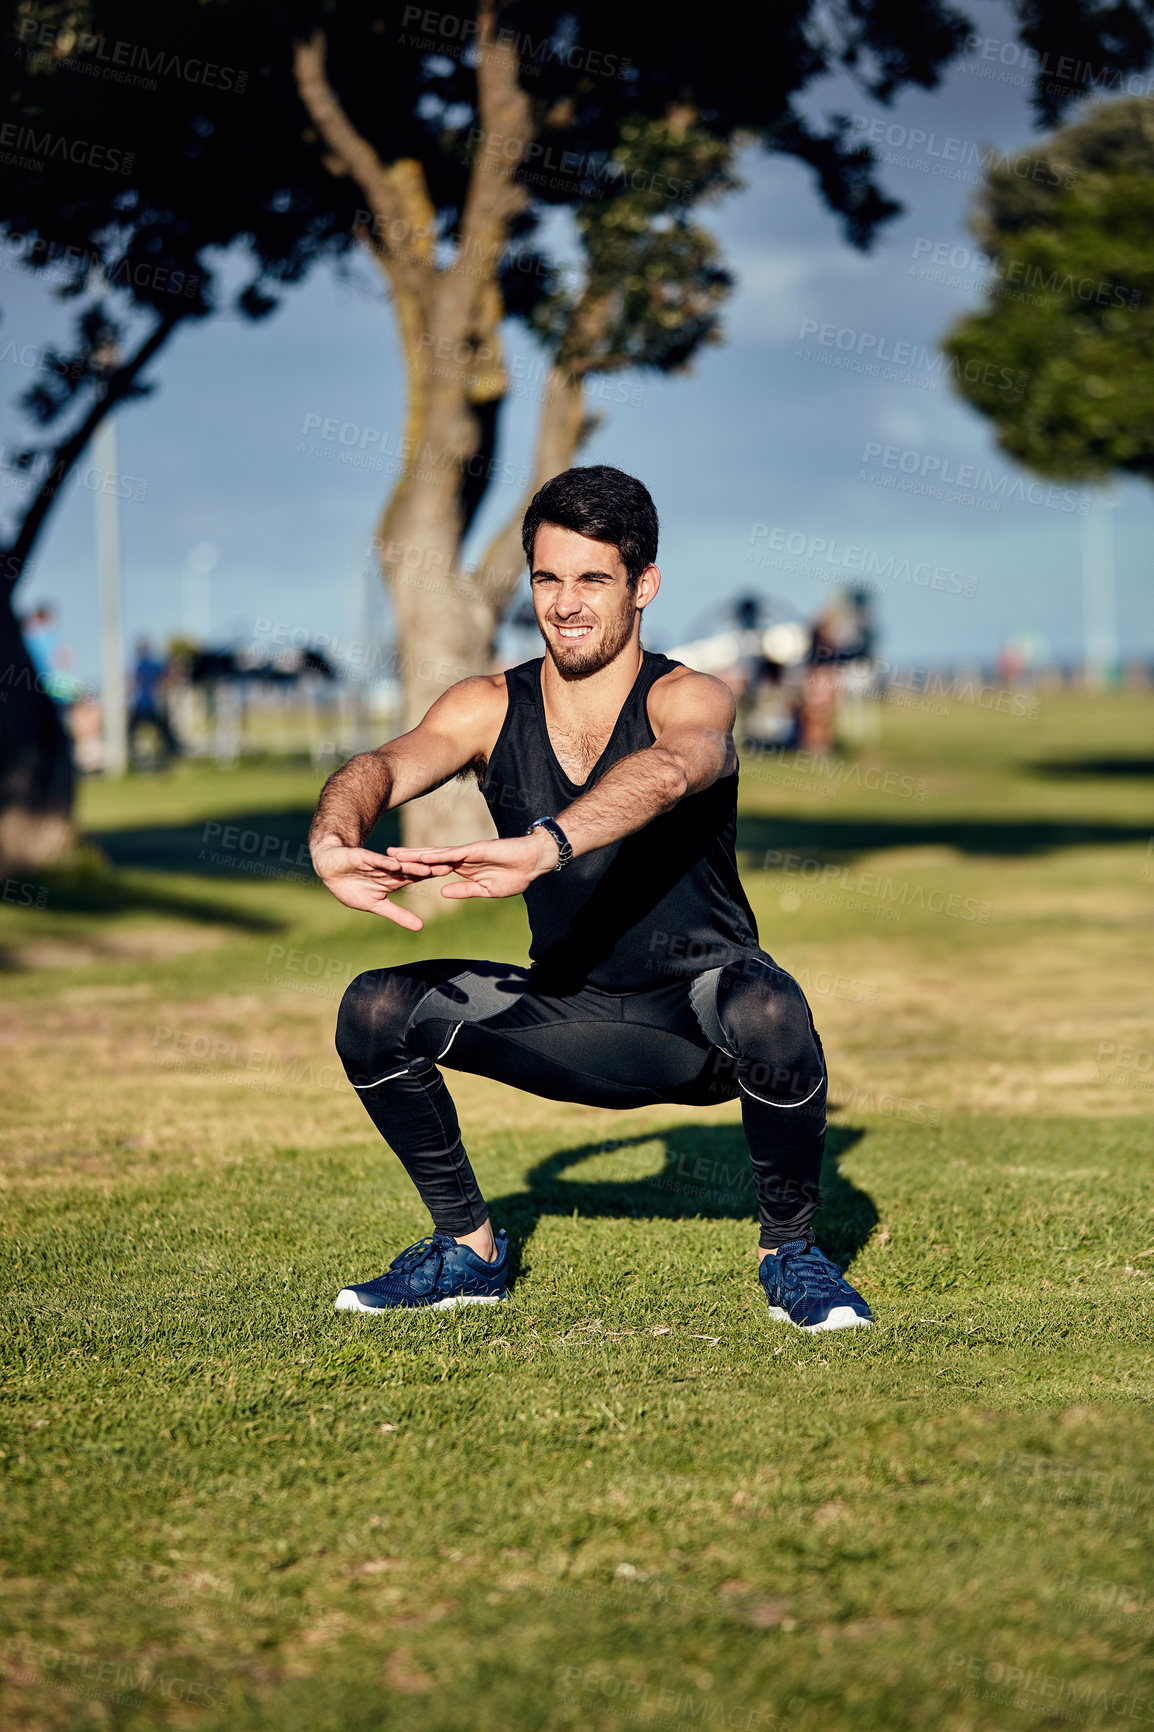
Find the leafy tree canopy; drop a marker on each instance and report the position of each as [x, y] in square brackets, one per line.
[1062, 357]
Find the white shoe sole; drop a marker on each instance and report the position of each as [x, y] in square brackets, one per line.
[841, 1317]
[348, 1301]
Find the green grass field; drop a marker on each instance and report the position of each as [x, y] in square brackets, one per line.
[625, 1498]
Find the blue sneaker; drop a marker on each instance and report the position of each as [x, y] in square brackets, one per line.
[804, 1288]
[435, 1274]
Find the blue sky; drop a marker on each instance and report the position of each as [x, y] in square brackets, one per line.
[781, 440]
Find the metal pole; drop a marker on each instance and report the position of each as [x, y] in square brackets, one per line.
[199, 567]
[361, 671]
[113, 682]
[1099, 611]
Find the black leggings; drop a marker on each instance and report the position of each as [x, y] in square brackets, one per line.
[744, 1029]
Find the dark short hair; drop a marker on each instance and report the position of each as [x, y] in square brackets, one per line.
[603, 503]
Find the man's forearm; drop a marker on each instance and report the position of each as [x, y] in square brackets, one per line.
[352, 800]
[629, 796]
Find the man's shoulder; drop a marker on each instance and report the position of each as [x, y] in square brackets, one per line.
[477, 692]
[681, 690]
[470, 712]
[469, 716]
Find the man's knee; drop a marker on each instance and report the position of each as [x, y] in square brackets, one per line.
[371, 1021]
[764, 1012]
[763, 1005]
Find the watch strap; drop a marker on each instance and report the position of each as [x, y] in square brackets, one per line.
[564, 850]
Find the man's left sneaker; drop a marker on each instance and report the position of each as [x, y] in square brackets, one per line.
[804, 1288]
[435, 1274]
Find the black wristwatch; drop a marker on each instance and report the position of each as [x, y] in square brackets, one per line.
[564, 851]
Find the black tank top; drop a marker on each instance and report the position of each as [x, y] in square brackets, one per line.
[662, 904]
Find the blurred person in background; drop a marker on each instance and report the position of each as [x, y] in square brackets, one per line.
[842, 632]
[149, 703]
[39, 628]
[49, 656]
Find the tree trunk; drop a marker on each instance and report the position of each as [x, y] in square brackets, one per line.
[36, 774]
[448, 320]
[562, 430]
[469, 622]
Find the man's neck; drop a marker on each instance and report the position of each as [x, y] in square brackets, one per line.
[596, 694]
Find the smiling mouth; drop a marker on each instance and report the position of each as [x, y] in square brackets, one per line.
[572, 632]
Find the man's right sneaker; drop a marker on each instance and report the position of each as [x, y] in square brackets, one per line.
[435, 1274]
[804, 1288]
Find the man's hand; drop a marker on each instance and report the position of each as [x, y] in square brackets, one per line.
[364, 880]
[504, 866]
[459, 729]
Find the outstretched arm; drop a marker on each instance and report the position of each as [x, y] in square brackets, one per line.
[458, 728]
[692, 721]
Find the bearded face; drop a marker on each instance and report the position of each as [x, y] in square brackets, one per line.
[586, 608]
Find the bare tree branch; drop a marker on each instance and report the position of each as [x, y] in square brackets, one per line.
[404, 231]
[65, 455]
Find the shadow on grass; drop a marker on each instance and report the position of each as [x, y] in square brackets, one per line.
[274, 845]
[89, 884]
[706, 1174]
[1110, 767]
[265, 844]
[758, 833]
[215, 847]
[242, 848]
